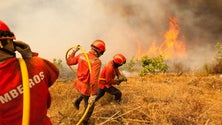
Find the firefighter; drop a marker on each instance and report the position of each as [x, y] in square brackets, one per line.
[42, 74]
[110, 76]
[87, 83]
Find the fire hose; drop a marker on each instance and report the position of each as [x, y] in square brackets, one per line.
[90, 70]
[26, 92]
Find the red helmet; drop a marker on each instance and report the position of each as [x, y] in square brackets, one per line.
[99, 46]
[5, 32]
[119, 59]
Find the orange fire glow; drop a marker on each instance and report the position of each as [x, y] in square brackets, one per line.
[171, 47]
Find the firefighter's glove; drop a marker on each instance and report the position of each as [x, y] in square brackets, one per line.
[123, 77]
[23, 48]
[76, 49]
[119, 80]
[92, 99]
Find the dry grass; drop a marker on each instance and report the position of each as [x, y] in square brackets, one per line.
[162, 99]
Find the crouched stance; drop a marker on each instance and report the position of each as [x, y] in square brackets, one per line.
[107, 78]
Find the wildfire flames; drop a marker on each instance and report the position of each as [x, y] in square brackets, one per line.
[170, 48]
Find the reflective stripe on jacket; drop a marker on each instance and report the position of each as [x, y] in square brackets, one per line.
[107, 75]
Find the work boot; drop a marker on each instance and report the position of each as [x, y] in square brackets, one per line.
[118, 101]
[85, 122]
[76, 103]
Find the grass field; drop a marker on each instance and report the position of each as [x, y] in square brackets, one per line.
[160, 99]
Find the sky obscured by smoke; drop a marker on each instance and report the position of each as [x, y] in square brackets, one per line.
[53, 26]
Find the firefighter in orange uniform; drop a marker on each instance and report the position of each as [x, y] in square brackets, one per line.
[87, 83]
[110, 76]
[42, 74]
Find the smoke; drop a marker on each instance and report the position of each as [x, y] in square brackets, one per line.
[52, 26]
[202, 26]
[199, 21]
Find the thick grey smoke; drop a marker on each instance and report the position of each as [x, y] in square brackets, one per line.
[200, 23]
[52, 26]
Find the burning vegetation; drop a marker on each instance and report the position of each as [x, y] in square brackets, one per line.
[171, 47]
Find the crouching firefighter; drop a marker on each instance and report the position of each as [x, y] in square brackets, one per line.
[110, 76]
[41, 75]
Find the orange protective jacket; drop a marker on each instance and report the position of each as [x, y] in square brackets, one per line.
[107, 75]
[42, 74]
[86, 83]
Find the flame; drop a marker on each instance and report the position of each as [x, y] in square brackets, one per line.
[171, 47]
[152, 51]
[139, 50]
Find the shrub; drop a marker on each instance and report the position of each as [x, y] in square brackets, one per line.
[129, 66]
[64, 72]
[153, 65]
[58, 63]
